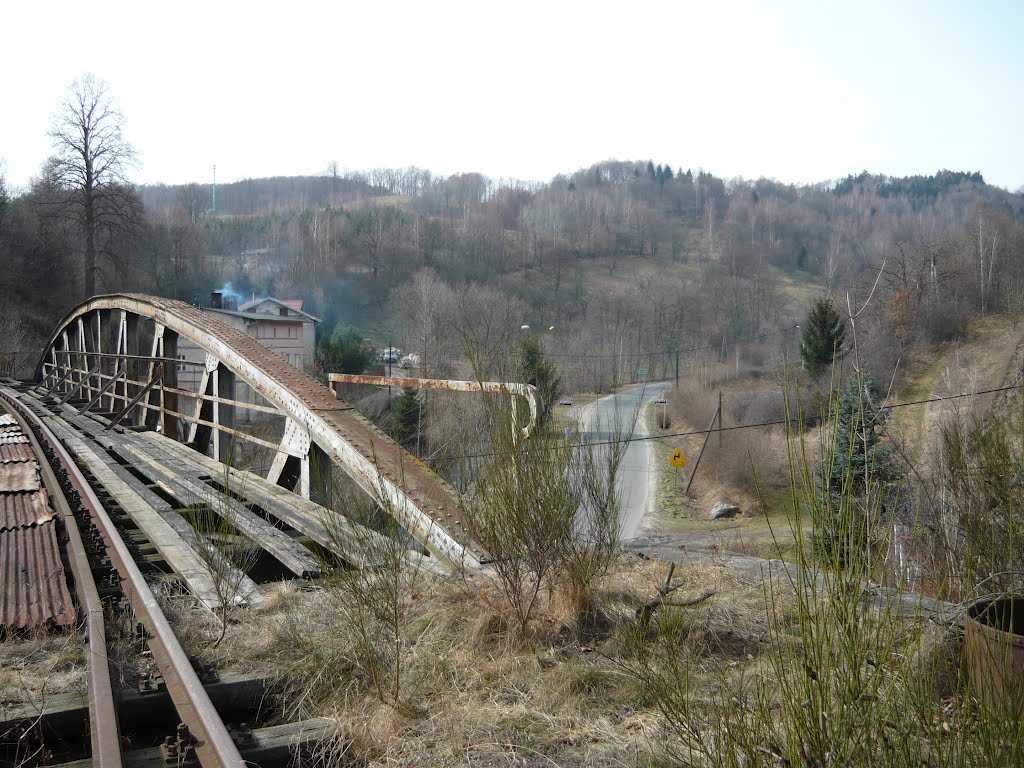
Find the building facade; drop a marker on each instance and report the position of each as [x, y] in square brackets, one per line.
[280, 325]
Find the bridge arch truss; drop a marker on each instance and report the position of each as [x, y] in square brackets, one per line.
[119, 354]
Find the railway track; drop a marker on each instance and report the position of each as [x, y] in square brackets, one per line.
[108, 582]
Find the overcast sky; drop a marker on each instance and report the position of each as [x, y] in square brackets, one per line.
[798, 91]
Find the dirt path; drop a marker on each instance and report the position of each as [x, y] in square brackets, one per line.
[991, 356]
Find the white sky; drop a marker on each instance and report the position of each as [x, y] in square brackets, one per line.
[798, 91]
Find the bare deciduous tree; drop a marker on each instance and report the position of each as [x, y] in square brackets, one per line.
[91, 161]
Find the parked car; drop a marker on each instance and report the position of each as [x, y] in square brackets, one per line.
[565, 401]
[661, 401]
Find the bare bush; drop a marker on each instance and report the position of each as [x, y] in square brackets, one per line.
[693, 404]
[740, 458]
[376, 597]
[18, 346]
[547, 512]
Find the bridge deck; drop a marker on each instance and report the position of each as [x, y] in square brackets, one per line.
[161, 464]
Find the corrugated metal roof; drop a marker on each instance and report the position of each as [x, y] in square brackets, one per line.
[18, 452]
[21, 510]
[5, 419]
[20, 477]
[34, 588]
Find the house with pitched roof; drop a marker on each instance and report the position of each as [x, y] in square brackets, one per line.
[279, 324]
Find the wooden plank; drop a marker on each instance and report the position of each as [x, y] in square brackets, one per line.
[175, 474]
[182, 481]
[331, 530]
[182, 559]
[193, 539]
[64, 713]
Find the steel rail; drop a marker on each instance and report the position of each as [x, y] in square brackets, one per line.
[214, 746]
[104, 733]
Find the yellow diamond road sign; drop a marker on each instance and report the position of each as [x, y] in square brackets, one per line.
[677, 459]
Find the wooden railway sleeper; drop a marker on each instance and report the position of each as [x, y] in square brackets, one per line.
[243, 735]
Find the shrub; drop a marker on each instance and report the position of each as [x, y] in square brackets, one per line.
[982, 525]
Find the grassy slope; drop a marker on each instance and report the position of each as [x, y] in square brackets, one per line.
[987, 358]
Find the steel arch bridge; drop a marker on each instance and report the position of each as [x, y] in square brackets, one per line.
[119, 353]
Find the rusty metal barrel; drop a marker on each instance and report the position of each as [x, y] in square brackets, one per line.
[994, 648]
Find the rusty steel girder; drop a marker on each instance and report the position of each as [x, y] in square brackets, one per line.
[418, 499]
[526, 391]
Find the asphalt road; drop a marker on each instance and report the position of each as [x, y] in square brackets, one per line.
[612, 416]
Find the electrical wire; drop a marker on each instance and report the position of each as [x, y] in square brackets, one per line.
[757, 425]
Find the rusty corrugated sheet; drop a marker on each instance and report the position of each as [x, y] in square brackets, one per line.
[35, 590]
[21, 510]
[15, 453]
[20, 477]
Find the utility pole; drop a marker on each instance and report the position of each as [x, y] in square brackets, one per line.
[214, 203]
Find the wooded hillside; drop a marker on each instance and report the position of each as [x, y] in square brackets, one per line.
[634, 264]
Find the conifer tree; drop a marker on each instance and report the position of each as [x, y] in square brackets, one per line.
[540, 372]
[406, 419]
[823, 337]
[855, 477]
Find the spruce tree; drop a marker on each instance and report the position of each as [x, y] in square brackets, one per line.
[855, 477]
[823, 337]
[406, 419]
[538, 371]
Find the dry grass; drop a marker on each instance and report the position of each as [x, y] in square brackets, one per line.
[40, 664]
[475, 690]
[736, 461]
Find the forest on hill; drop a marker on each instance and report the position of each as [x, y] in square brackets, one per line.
[632, 265]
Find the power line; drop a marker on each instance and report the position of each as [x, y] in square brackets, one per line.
[758, 425]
